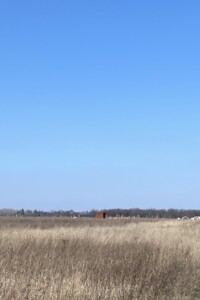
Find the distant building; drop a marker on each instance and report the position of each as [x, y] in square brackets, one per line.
[100, 215]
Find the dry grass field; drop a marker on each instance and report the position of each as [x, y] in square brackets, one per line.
[57, 258]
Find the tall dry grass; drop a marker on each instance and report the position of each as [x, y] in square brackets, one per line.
[99, 259]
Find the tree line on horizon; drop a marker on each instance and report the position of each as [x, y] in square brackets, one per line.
[114, 212]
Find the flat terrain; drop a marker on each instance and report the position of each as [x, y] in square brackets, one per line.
[60, 258]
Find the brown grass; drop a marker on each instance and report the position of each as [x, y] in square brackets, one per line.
[99, 259]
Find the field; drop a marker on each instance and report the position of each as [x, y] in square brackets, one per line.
[60, 258]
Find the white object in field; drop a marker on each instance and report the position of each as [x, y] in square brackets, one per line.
[185, 218]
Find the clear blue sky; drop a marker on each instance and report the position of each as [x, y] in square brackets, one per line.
[99, 104]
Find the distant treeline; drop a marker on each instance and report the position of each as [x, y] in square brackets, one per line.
[115, 212]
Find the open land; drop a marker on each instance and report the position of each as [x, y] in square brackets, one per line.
[89, 259]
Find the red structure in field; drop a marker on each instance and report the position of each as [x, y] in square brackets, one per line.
[100, 215]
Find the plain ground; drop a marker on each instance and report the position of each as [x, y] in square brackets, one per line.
[88, 259]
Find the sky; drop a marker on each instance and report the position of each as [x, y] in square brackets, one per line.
[99, 104]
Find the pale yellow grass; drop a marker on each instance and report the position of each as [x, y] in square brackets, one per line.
[88, 259]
